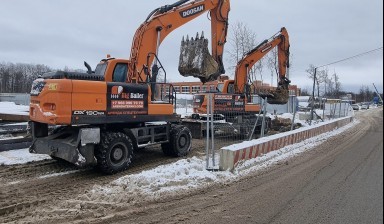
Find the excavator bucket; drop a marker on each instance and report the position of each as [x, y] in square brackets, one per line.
[195, 60]
[278, 96]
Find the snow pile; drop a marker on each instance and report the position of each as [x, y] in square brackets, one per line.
[12, 108]
[188, 175]
[20, 156]
[164, 181]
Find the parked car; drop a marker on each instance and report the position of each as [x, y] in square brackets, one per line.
[365, 106]
[355, 106]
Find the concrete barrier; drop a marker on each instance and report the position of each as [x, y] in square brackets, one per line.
[230, 156]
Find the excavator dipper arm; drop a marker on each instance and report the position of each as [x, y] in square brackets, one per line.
[162, 21]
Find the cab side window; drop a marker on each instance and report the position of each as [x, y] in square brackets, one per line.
[231, 88]
[120, 73]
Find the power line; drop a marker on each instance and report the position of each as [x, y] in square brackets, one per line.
[345, 59]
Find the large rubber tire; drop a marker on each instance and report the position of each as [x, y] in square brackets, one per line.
[180, 143]
[114, 152]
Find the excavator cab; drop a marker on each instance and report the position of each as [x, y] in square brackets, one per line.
[195, 60]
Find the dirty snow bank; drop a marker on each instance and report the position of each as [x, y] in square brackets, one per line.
[189, 175]
[20, 156]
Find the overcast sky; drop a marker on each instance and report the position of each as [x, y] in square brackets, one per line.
[61, 33]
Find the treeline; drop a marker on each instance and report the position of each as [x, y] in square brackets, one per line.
[18, 78]
[365, 94]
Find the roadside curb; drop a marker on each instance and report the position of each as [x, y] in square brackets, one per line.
[230, 156]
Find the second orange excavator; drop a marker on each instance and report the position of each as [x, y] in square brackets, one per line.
[236, 95]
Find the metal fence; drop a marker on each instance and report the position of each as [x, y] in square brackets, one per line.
[337, 110]
[289, 107]
[227, 127]
[228, 123]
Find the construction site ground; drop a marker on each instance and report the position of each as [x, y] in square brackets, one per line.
[337, 182]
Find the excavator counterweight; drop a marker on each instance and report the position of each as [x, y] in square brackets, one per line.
[195, 60]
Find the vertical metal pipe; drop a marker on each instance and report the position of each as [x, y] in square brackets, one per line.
[345, 106]
[254, 126]
[294, 113]
[207, 132]
[212, 132]
[323, 102]
[264, 114]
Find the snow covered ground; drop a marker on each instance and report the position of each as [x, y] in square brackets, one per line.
[20, 156]
[185, 174]
[190, 174]
[12, 108]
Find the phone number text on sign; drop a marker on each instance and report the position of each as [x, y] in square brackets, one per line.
[127, 104]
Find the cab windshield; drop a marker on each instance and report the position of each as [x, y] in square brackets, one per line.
[220, 87]
[100, 69]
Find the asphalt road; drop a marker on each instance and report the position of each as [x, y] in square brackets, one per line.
[341, 181]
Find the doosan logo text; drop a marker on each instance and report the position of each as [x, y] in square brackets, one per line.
[193, 11]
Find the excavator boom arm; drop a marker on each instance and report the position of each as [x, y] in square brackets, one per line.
[281, 40]
[164, 20]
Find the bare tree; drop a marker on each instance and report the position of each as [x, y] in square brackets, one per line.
[273, 64]
[305, 92]
[337, 84]
[311, 75]
[18, 78]
[4, 77]
[242, 40]
[329, 84]
[325, 86]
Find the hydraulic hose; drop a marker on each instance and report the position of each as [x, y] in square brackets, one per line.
[166, 8]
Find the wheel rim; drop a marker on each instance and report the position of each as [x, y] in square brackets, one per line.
[118, 153]
[183, 141]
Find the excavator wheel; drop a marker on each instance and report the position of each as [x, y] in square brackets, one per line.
[114, 152]
[180, 143]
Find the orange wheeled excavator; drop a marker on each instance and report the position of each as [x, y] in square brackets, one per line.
[102, 116]
[233, 100]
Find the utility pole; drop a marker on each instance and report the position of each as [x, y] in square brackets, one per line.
[377, 92]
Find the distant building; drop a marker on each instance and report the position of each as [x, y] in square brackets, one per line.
[198, 87]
